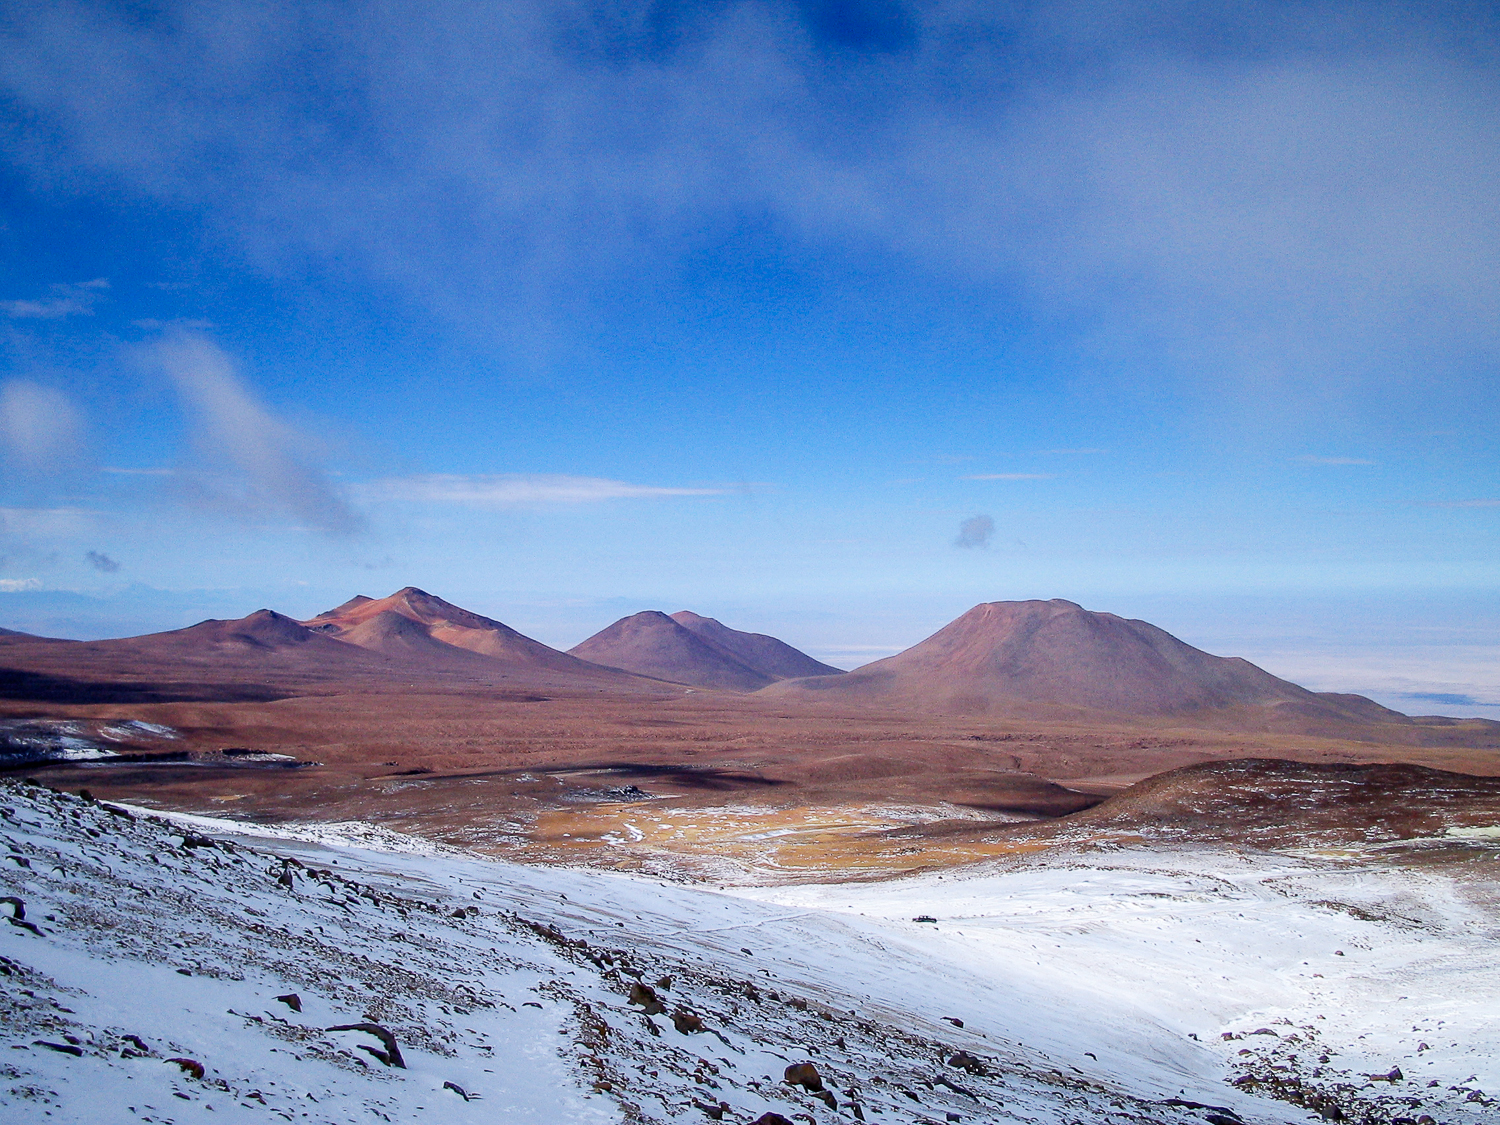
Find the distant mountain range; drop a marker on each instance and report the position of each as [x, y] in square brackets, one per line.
[1050, 660]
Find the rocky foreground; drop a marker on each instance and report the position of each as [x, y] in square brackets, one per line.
[156, 970]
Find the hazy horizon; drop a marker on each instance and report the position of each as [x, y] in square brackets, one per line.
[829, 319]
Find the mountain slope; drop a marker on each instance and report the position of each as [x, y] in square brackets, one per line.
[652, 644]
[767, 655]
[1055, 659]
[185, 967]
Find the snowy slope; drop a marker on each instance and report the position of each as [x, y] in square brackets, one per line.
[1077, 988]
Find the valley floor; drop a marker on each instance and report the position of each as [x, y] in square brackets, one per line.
[171, 969]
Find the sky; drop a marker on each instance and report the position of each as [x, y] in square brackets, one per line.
[829, 319]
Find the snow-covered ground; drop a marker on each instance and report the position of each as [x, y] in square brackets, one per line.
[1097, 989]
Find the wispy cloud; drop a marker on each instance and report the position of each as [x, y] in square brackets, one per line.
[1479, 503]
[516, 490]
[190, 324]
[1010, 476]
[1312, 460]
[974, 532]
[19, 585]
[1283, 209]
[66, 300]
[41, 431]
[246, 461]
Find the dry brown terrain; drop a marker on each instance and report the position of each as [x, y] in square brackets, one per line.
[709, 778]
[502, 744]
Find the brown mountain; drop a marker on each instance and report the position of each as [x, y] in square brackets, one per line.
[412, 624]
[652, 644]
[767, 655]
[255, 657]
[1055, 659]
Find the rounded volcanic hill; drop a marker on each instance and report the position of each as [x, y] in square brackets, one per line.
[767, 655]
[652, 644]
[1055, 659]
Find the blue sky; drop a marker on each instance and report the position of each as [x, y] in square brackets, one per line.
[827, 318]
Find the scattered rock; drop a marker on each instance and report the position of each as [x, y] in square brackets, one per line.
[191, 1067]
[954, 1020]
[770, 1119]
[292, 1001]
[64, 1048]
[805, 1075]
[686, 1022]
[924, 918]
[965, 1061]
[391, 1056]
[460, 1091]
[645, 996]
[715, 1112]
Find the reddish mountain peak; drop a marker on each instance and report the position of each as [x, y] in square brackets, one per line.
[353, 603]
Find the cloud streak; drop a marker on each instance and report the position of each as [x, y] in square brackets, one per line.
[246, 461]
[67, 300]
[1010, 476]
[515, 490]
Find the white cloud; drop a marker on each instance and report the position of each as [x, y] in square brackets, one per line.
[18, 585]
[1010, 476]
[67, 300]
[516, 490]
[41, 431]
[246, 460]
[188, 323]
